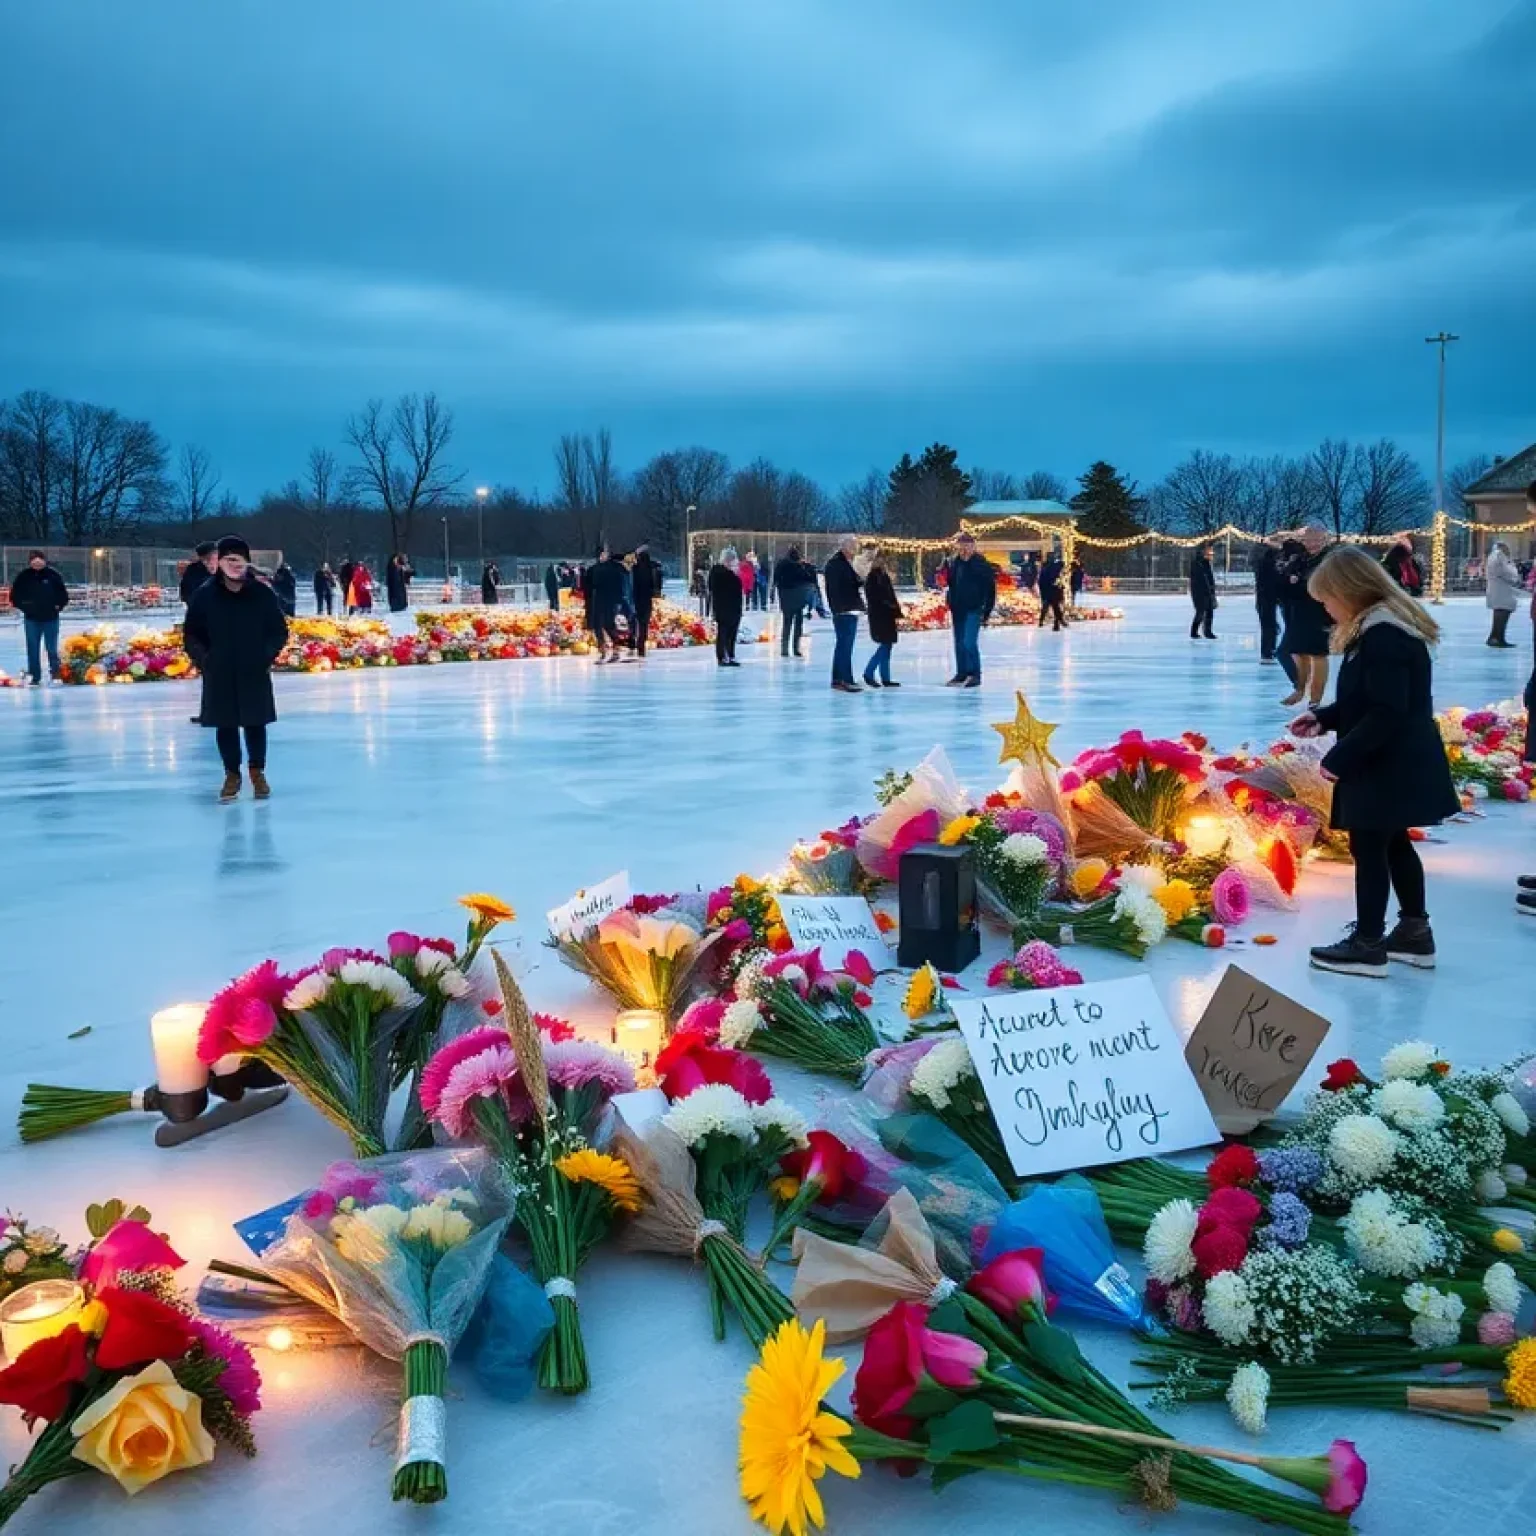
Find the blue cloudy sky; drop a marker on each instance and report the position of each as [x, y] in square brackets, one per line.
[824, 230]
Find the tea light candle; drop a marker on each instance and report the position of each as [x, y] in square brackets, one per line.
[1205, 835]
[37, 1312]
[173, 1032]
[639, 1033]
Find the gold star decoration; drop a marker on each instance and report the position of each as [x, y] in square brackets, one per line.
[1025, 737]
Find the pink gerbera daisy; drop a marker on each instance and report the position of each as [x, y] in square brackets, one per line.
[435, 1075]
[482, 1076]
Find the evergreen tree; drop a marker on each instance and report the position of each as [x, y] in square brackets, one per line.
[926, 498]
[1108, 504]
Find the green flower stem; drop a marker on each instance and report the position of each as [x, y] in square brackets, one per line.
[426, 1375]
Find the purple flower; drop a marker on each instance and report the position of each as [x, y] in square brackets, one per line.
[576, 1063]
[1230, 899]
[1291, 1170]
[1039, 824]
[1289, 1224]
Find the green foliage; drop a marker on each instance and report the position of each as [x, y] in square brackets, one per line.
[1107, 504]
[100, 1219]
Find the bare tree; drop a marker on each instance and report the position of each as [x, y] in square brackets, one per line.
[767, 499]
[602, 479]
[1458, 477]
[110, 473]
[1042, 485]
[861, 503]
[402, 465]
[674, 481]
[1203, 493]
[196, 482]
[30, 428]
[1332, 466]
[993, 485]
[1390, 489]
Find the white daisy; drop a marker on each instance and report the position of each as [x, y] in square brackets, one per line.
[1167, 1246]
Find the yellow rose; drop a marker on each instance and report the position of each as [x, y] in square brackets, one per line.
[144, 1428]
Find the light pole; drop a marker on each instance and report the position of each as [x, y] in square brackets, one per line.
[688, 547]
[1440, 341]
[481, 493]
[447, 569]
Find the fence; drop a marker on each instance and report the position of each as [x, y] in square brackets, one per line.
[113, 579]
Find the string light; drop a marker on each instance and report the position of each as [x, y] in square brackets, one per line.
[1437, 559]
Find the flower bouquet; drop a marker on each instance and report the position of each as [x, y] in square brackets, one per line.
[139, 1386]
[647, 961]
[1151, 781]
[828, 866]
[1015, 869]
[535, 1105]
[915, 812]
[1130, 920]
[29, 1253]
[399, 1249]
[793, 1008]
[1033, 967]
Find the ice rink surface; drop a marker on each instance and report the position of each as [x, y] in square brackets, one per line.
[126, 887]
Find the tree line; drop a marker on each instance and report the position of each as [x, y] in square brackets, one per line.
[78, 473]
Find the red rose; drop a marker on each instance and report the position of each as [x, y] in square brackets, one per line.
[1232, 1166]
[1013, 1285]
[1230, 1207]
[827, 1162]
[857, 965]
[690, 1062]
[890, 1371]
[41, 1380]
[139, 1329]
[1220, 1249]
[1342, 1074]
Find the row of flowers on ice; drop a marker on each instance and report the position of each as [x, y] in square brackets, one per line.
[1486, 748]
[931, 610]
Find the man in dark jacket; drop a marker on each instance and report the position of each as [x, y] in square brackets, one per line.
[39, 595]
[1052, 575]
[793, 581]
[646, 579]
[235, 630]
[846, 601]
[1202, 593]
[604, 586]
[286, 585]
[198, 571]
[552, 588]
[397, 583]
[1266, 596]
[971, 585]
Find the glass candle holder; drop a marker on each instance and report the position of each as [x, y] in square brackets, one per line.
[639, 1034]
[37, 1312]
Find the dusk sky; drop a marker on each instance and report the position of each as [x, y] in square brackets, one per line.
[824, 232]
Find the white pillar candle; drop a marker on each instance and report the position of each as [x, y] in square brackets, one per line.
[640, 1033]
[173, 1032]
[37, 1312]
[1205, 835]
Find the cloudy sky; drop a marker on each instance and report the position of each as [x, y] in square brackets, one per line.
[824, 230]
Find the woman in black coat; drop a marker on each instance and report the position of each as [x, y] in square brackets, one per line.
[1388, 762]
[490, 579]
[884, 613]
[234, 631]
[1306, 621]
[397, 579]
[725, 598]
[793, 587]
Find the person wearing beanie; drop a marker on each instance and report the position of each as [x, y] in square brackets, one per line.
[234, 631]
[199, 570]
[39, 595]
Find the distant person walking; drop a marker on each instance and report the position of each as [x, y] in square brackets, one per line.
[1266, 596]
[198, 570]
[39, 595]
[490, 579]
[360, 592]
[1078, 577]
[1202, 593]
[884, 622]
[397, 579]
[699, 588]
[1029, 573]
[790, 581]
[1501, 579]
[344, 574]
[235, 630]
[552, 588]
[845, 599]
[325, 590]
[1306, 623]
[1051, 591]
[604, 585]
[647, 578]
[726, 597]
[1404, 567]
[286, 585]
[748, 570]
[970, 586]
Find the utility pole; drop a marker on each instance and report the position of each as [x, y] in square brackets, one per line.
[1441, 341]
[482, 492]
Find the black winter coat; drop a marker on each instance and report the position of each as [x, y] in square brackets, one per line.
[1202, 583]
[884, 608]
[790, 579]
[843, 594]
[286, 585]
[605, 583]
[397, 582]
[192, 580]
[1306, 620]
[325, 584]
[647, 580]
[971, 586]
[1389, 758]
[1050, 579]
[40, 595]
[234, 637]
[725, 594]
[1266, 576]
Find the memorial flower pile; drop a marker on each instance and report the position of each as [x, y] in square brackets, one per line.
[791, 1007]
[1485, 748]
[139, 1387]
[931, 611]
[1033, 967]
[1151, 781]
[649, 960]
[500, 634]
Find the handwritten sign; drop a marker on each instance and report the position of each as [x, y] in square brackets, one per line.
[1249, 1050]
[1079, 1076]
[586, 909]
[834, 924]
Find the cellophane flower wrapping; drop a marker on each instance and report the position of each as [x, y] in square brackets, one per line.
[400, 1249]
[929, 802]
[649, 960]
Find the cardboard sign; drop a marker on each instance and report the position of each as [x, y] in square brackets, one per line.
[1079, 1076]
[834, 924]
[587, 908]
[1249, 1049]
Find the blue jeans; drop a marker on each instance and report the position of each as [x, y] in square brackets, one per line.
[847, 628]
[880, 662]
[41, 632]
[967, 627]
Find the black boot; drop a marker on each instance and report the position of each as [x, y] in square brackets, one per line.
[1352, 956]
[1411, 942]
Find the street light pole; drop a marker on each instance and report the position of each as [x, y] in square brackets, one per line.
[481, 493]
[1440, 341]
[447, 569]
[688, 548]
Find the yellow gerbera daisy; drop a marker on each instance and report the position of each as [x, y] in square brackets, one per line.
[1177, 899]
[1087, 876]
[922, 990]
[788, 1440]
[610, 1173]
[958, 830]
[1520, 1377]
[488, 909]
[1508, 1242]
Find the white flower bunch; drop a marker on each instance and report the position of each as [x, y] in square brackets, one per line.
[1384, 1240]
[307, 991]
[1301, 1299]
[430, 962]
[1410, 1058]
[1248, 1396]
[1436, 1316]
[1228, 1308]
[716, 1109]
[1025, 849]
[945, 1066]
[441, 1225]
[777, 1116]
[381, 980]
[1501, 1288]
[1490, 1187]
[1166, 1248]
[1408, 1105]
[1146, 916]
[750, 980]
[1514, 1119]
[739, 1023]
[1362, 1148]
[1142, 878]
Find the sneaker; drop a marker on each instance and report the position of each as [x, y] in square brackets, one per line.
[1411, 943]
[1526, 882]
[231, 789]
[259, 786]
[1525, 904]
[971, 682]
[955, 682]
[847, 688]
[870, 682]
[1352, 956]
[890, 685]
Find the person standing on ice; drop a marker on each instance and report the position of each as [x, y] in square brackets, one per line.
[1202, 593]
[726, 598]
[235, 630]
[846, 601]
[970, 586]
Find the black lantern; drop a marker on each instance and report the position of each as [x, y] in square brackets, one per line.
[937, 888]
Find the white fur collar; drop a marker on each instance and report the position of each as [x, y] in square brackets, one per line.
[1381, 614]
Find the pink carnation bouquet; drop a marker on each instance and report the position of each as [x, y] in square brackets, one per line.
[1035, 966]
[1151, 781]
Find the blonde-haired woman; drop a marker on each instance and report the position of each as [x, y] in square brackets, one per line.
[1388, 762]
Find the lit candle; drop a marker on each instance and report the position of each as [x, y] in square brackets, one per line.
[174, 1031]
[37, 1312]
[1205, 835]
[639, 1033]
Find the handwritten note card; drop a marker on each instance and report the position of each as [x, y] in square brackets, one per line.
[1080, 1076]
[589, 907]
[1249, 1050]
[834, 924]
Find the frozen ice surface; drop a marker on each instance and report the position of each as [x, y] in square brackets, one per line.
[125, 887]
